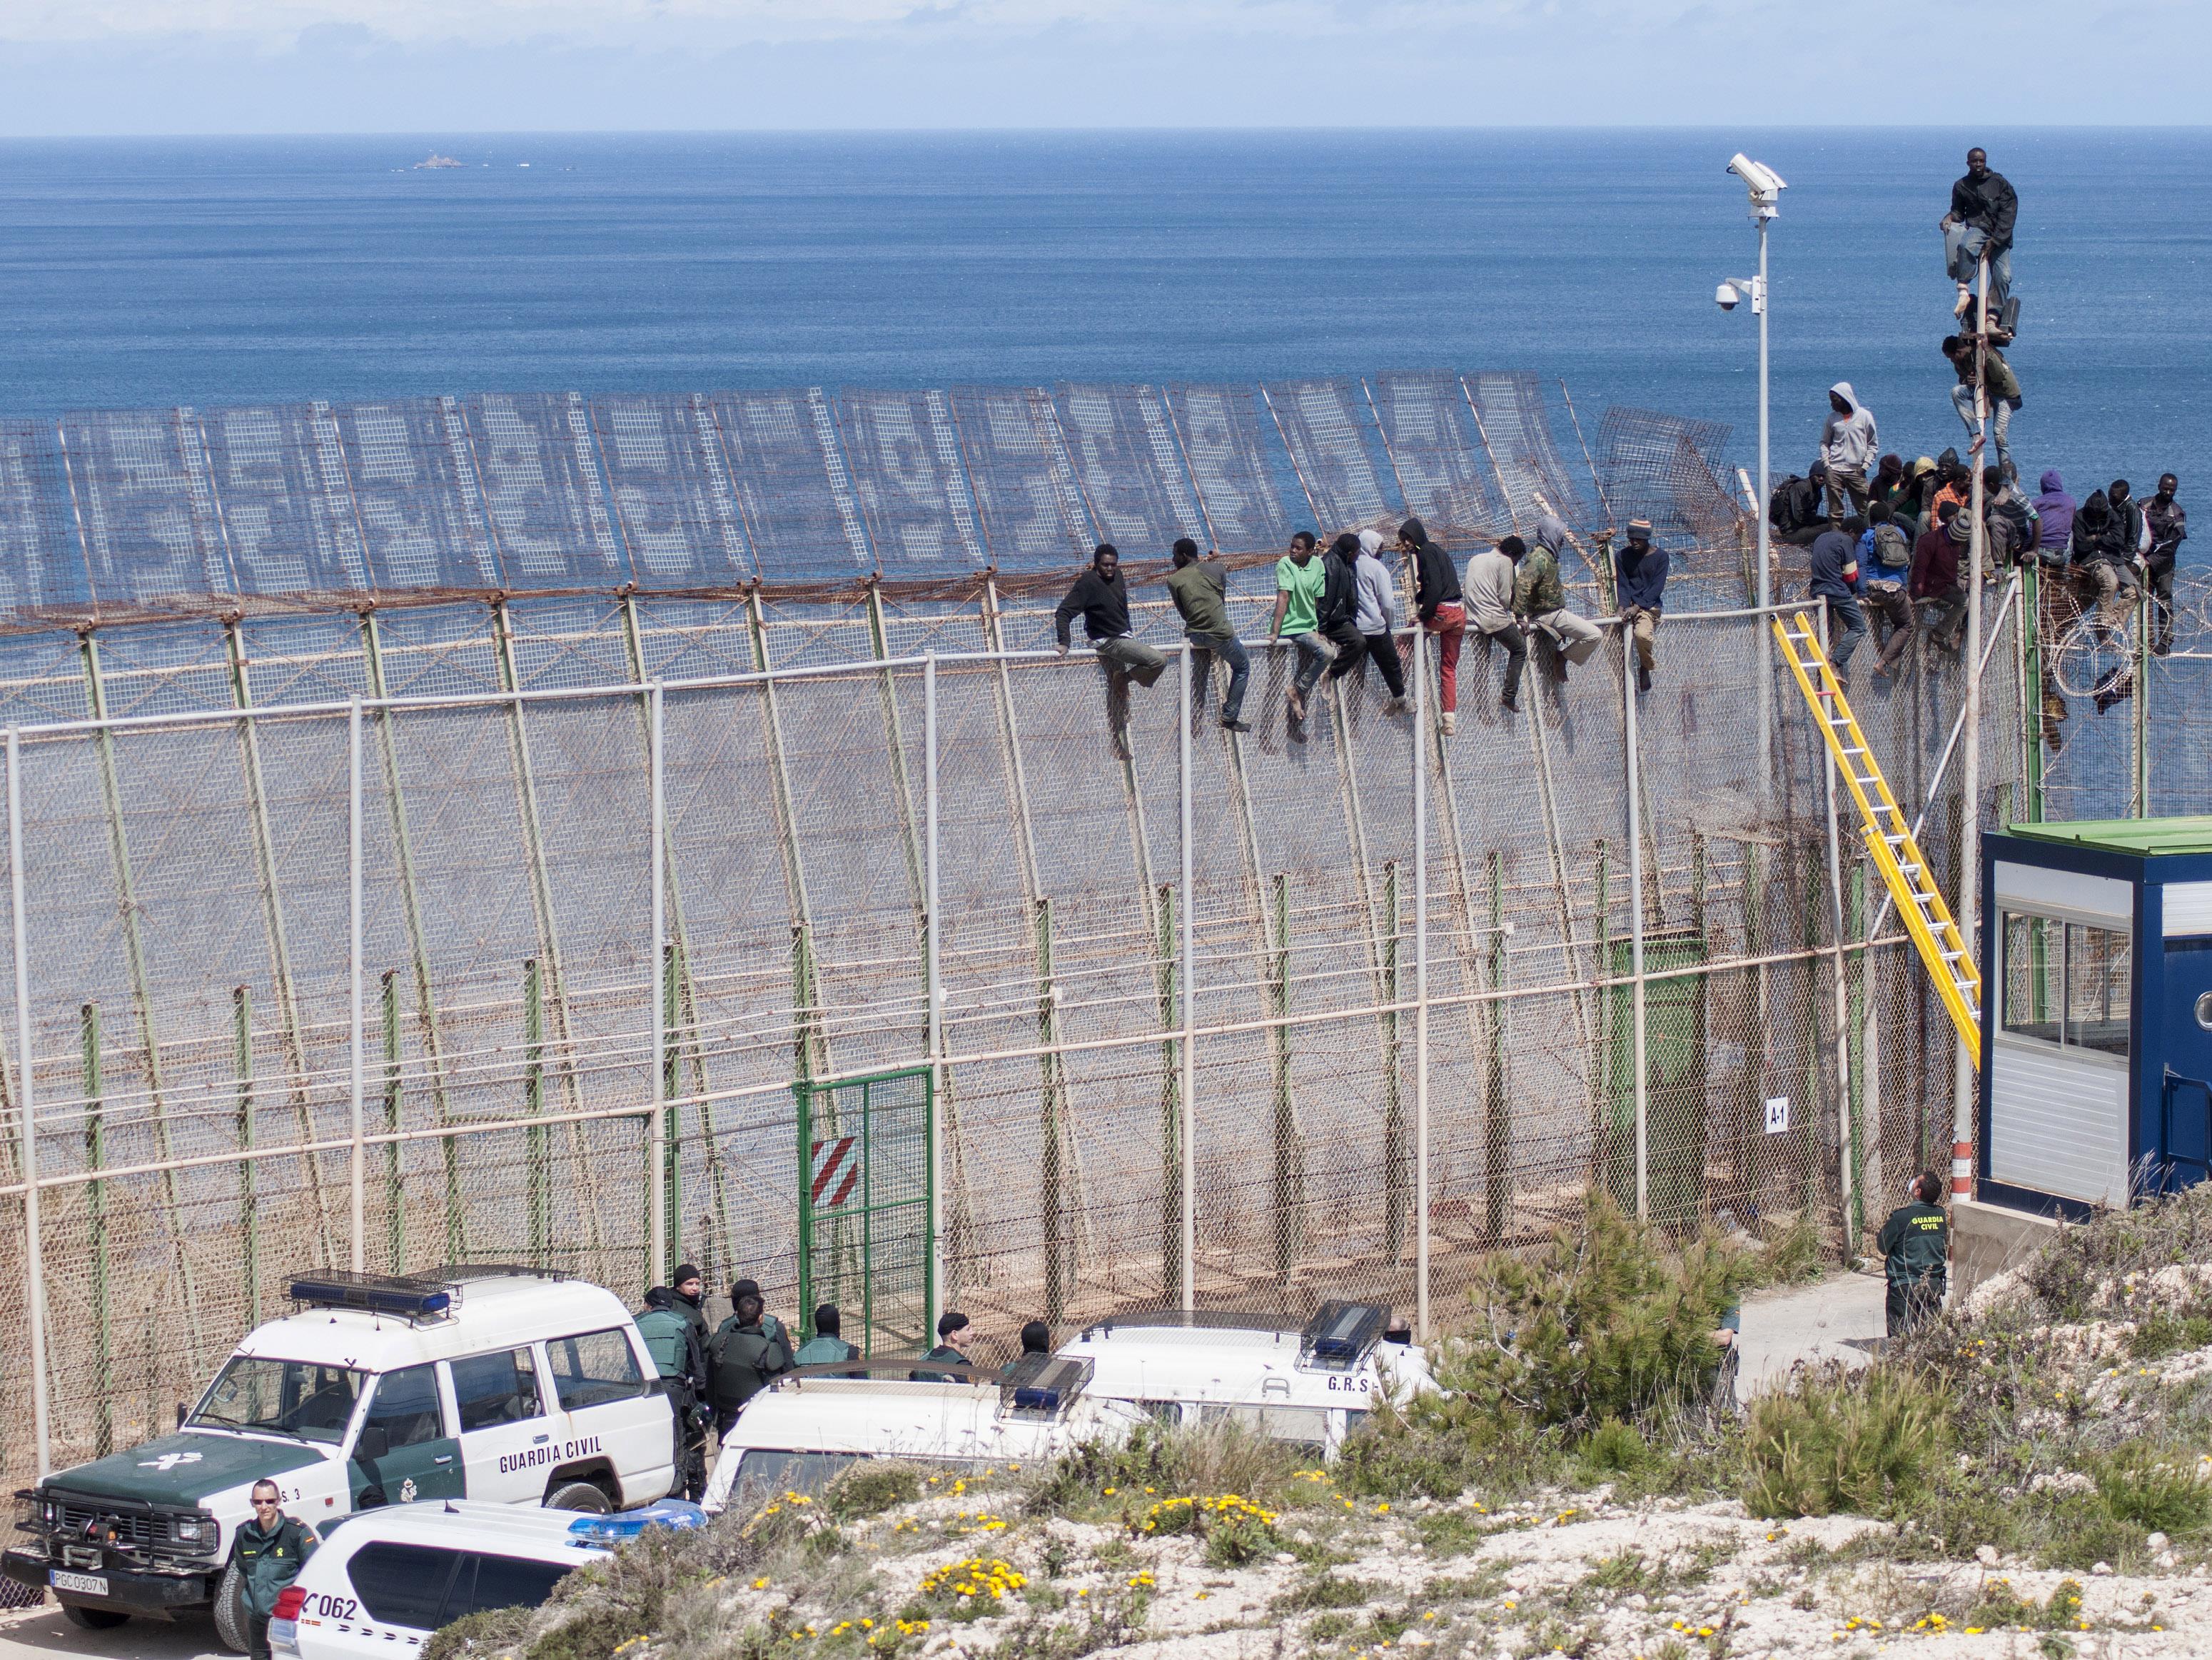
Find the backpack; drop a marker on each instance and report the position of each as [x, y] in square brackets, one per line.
[1890, 549]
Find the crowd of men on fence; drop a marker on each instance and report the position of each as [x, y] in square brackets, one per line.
[1895, 539]
[1880, 536]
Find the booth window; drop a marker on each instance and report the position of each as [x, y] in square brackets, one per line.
[2067, 982]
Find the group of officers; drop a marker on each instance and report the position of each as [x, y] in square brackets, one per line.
[714, 1371]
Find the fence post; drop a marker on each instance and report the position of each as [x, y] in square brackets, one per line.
[536, 1172]
[395, 1152]
[1642, 1085]
[1188, 1152]
[249, 1209]
[934, 987]
[1497, 1126]
[1846, 1151]
[34, 1264]
[1420, 984]
[657, 1148]
[2147, 622]
[1167, 983]
[357, 1171]
[1397, 1176]
[96, 1222]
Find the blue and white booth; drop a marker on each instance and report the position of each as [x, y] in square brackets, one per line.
[2096, 1012]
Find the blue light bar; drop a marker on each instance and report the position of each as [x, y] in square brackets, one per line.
[374, 1293]
[1041, 1385]
[1341, 1334]
[676, 1513]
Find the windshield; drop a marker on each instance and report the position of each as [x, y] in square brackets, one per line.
[299, 1398]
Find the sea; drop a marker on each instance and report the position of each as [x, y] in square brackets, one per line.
[210, 272]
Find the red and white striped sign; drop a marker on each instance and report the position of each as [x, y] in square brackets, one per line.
[836, 1171]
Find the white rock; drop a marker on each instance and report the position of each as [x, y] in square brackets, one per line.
[1284, 1558]
[2157, 1542]
[1986, 1555]
[2100, 1568]
[1639, 1600]
[2166, 1559]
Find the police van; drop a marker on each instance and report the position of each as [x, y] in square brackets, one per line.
[808, 1426]
[1313, 1383]
[388, 1578]
[514, 1386]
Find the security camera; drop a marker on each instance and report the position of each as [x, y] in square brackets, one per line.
[1727, 296]
[1765, 185]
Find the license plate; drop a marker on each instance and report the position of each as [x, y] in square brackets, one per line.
[91, 1584]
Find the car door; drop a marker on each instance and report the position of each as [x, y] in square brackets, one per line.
[399, 1590]
[404, 1449]
[506, 1441]
[613, 1412]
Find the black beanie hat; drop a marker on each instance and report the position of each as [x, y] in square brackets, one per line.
[742, 1289]
[685, 1271]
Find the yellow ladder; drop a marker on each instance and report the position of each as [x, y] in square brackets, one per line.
[1889, 839]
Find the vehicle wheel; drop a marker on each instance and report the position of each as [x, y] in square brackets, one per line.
[232, 1622]
[91, 1619]
[579, 1496]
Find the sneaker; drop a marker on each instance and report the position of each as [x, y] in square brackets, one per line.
[1448, 722]
[1397, 706]
[1235, 725]
[1643, 678]
[1513, 704]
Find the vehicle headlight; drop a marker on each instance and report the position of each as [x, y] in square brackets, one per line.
[197, 1530]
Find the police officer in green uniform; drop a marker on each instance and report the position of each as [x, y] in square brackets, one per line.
[955, 1331]
[690, 1289]
[1915, 1243]
[828, 1345]
[674, 1344]
[269, 1552]
[749, 1347]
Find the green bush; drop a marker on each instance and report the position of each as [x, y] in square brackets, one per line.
[871, 1488]
[2155, 1493]
[1616, 1449]
[1867, 1441]
[1605, 1322]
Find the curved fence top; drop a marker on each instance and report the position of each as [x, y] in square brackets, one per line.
[112, 515]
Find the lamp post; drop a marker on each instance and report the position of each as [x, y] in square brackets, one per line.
[1764, 187]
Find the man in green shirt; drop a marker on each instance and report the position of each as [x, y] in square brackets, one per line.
[1916, 1245]
[955, 1332]
[1200, 589]
[268, 1552]
[828, 1345]
[1300, 579]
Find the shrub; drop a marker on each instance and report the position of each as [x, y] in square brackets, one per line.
[1219, 1457]
[1841, 1440]
[1236, 1530]
[871, 1488]
[1604, 1322]
[2140, 1487]
[1616, 1449]
[972, 1587]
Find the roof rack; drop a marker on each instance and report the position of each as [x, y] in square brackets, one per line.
[398, 1295]
[1341, 1334]
[1043, 1385]
[456, 1273]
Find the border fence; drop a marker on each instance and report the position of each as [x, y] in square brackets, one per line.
[413, 867]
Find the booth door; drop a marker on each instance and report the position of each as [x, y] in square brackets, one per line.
[2188, 1061]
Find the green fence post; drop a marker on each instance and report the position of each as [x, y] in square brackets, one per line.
[1498, 1119]
[1171, 994]
[1397, 1194]
[1287, 1178]
[96, 1216]
[249, 1168]
[533, 1106]
[395, 1163]
[1054, 1181]
[1751, 1106]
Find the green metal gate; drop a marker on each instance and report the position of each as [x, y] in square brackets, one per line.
[867, 1207]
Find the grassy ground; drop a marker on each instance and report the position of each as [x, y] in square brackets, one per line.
[2028, 1478]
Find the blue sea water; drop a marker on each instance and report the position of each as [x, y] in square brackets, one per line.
[225, 272]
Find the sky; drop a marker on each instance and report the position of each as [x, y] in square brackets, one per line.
[144, 67]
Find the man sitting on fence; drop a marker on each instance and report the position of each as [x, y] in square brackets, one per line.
[1541, 600]
[1101, 596]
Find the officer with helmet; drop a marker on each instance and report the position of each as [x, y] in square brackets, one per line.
[673, 1341]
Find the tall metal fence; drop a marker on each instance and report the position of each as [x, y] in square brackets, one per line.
[505, 928]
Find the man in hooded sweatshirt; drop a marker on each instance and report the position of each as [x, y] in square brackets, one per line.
[1850, 447]
[1936, 561]
[1442, 609]
[1539, 599]
[1639, 582]
[1377, 616]
[1100, 598]
[1835, 579]
[2054, 520]
[1798, 511]
[1997, 380]
[2103, 556]
[2168, 522]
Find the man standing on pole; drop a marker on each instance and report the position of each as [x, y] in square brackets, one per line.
[1978, 226]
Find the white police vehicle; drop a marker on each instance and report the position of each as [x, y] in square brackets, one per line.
[1313, 1384]
[808, 1426]
[386, 1580]
[515, 1386]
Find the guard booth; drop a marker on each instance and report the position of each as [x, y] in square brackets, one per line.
[2097, 1030]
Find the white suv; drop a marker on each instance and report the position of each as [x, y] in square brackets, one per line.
[513, 1385]
[386, 1580]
